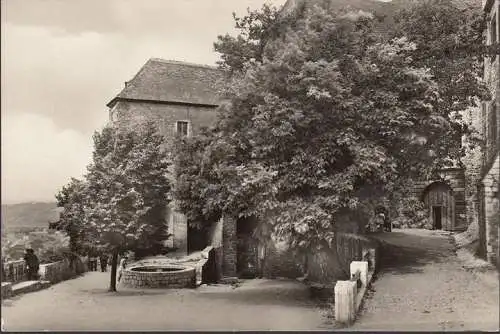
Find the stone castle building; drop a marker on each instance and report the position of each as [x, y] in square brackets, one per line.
[180, 98]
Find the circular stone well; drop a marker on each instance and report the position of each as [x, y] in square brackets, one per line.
[163, 277]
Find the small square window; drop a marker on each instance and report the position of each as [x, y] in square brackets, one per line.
[182, 128]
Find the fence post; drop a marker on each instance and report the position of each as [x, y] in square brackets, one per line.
[345, 301]
[362, 267]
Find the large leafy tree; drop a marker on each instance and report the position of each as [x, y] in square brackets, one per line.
[325, 118]
[120, 204]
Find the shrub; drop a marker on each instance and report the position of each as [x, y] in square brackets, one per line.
[411, 213]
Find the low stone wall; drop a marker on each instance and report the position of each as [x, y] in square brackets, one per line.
[185, 277]
[15, 271]
[56, 271]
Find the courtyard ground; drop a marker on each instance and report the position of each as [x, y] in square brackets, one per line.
[422, 285]
[84, 304]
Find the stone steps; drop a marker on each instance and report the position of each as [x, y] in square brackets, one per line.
[29, 286]
[6, 290]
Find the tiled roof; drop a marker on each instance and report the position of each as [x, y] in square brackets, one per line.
[172, 81]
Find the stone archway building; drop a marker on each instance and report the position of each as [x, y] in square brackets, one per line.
[444, 197]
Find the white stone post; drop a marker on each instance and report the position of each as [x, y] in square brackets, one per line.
[345, 301]
[362, 267]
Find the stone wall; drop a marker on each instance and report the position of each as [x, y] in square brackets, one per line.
[490, 214]
[492, 211]
[15, 271]
[473, 164]
[56, 271]
[229, 246]
[130, 114]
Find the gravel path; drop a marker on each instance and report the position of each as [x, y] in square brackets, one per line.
[423, 286]
[84, 304]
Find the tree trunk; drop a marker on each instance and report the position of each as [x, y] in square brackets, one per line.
[114, 266]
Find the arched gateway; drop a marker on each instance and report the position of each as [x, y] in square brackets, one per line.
[440, 203]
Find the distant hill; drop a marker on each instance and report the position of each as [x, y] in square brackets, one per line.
[28, 215]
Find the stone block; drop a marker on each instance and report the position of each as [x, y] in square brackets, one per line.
[345, 302]
[362, 267]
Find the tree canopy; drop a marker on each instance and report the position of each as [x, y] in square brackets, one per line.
[120, 203]
[325, 116]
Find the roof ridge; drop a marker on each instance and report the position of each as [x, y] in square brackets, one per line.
[185, 63]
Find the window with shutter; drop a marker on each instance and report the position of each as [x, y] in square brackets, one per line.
[182, 128]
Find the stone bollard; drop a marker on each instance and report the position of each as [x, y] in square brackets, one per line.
[362, 267]
[345, 301]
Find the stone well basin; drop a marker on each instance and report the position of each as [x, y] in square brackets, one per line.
[165, 276]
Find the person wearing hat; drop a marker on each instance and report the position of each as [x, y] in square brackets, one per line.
[32, 264]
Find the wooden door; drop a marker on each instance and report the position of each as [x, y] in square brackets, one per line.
[441, 206]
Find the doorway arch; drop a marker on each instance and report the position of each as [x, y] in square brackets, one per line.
[440, 203]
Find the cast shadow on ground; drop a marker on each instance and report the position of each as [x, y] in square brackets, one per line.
[402, 253]
[128, 292]
[293, 296]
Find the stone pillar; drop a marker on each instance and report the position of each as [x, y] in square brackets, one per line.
[345, 301]
[362, 266]
[229, 246]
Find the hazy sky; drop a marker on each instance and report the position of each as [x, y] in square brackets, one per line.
[63, 60]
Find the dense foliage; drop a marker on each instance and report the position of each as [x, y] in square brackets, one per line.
[120, 204]
[326, 116]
